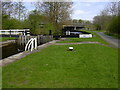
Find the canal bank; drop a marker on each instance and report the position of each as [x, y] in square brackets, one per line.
[20, 55]
[5, 43]
[8, 48]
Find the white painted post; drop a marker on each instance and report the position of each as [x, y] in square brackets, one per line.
[32, 43]
[35, 43]
[67, 32]
[28, 44]
[75, 28]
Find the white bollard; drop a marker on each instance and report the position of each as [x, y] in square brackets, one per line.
[70, 48]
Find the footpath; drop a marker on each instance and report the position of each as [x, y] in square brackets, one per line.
[113, 41]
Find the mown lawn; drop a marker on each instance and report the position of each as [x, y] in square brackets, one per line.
[87, 66]
[6, 38]
[95, 38]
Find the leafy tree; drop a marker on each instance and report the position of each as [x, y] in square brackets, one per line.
[103, 20]
[25, 24]
[57, 13]
[49, 27]
[114, 26]
[80, 21]
[75, 21]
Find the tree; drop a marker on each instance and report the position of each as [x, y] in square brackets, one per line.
[12, 13]
[38, 23]
[57, 13]
[10, 23]
[114, 26]
[0, 14]
[80, 21]
[97, 22]
[109, 18]
[119, 8]
[101, 20]
[7, 8]
[112, 8]
[35, 19]
[48, 27]
[75, 21]
[19, 10]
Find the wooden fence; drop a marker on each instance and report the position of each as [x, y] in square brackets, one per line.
[41, 39]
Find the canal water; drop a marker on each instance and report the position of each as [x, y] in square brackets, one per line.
[9, 50]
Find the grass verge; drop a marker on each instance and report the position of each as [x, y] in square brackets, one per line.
[87, 66]
[112, 35]
[95, 38]
[6, 38]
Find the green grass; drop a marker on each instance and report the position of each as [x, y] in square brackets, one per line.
[6, 38]
[1, 78]
[98, 30]
[95, 38]
[88, 66]
[112, 35]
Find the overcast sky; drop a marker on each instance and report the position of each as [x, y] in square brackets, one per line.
[87, 10]
[82, 10]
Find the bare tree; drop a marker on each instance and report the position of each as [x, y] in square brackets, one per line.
[56, 12]
[119, 8]
[0, 14]
[112, 8]
[19, 10]
[7, 8]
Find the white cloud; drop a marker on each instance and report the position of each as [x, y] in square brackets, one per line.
[60, 0]
[94, 0]
[87, 10]
[87, 4]
[78, 12]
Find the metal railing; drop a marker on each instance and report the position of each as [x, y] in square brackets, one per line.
[32, 44]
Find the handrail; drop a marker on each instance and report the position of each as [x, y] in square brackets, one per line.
[28, 44]
[31, 43]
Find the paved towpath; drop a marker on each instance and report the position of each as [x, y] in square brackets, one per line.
[113, 41]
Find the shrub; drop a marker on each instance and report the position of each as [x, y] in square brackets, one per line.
[114, 25]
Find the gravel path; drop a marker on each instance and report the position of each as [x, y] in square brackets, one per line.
[76, 43]
[113, 41]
